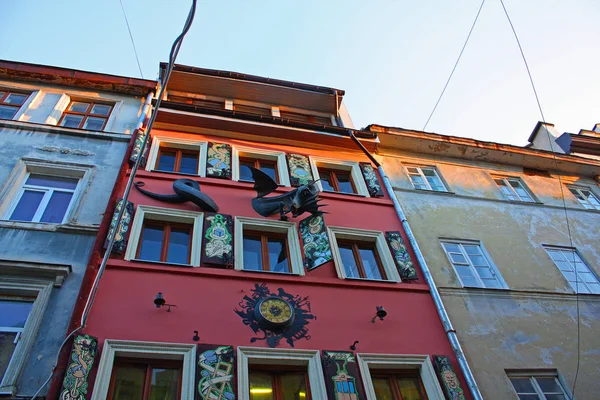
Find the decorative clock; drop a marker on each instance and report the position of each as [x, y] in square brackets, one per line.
[274, 313]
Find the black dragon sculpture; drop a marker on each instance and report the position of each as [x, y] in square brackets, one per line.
[185, 190]
[303, 199]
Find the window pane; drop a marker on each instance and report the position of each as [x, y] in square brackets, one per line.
[52, 181]
[27, 206]
[94, 123]
[470, 249]
[151, 247]
[13, 314]
[270, 170]
[383, 389]
[344, 181]
[491, 283]
[369, 261]
[57, 207]
[435, 182]
[293, 387]
[549, 385]
[458, 258]
[326, 182]
[101, 109]
[522, 385]
[450, 247]
[348, 261]
[410, 389]
[555, 397]
[166, 161]
[164, 384]
[179, 246]
[485, 272]
[245, 173]
[261, 386]
[528, 397]
[478, 260]
[189, 163]
[418, 182]
[252, 254]
[129, 382]
[278, 255]
[78, 106]
[71, 121]
[16, 98]
[7, 112]
[7, 347]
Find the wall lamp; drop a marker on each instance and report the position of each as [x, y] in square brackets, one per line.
[159, 301]
[381, 313]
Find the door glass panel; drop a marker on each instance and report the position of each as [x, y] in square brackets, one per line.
[189, 163]
[52, 181]
[179, 246]
[13, 314]
[57, 207]
[383, 389]
[278, 255]
[261, 386]
[252, 253]
[27, 206]
[164, 384]
[369, 261]
[7, 347]
[71, 121]
[166, 161]
[410, 389]
[152, 237]
[344, 181]
[293, 387]
[129, 382]
[348, 261]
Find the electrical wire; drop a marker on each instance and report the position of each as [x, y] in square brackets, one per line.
[562, 195]
[164, 81]
[455, 64]
[132, 41]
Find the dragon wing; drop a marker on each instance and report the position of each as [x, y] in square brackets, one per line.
[263, 183]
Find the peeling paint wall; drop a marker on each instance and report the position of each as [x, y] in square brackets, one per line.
[533, 325]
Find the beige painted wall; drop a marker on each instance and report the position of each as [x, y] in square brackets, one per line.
[533, 325]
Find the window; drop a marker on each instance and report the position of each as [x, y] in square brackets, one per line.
[513, 189]
[86, 115]
[279, 374]
[581, 278]
[396, 376]
[164, 358]
[338, 176]
[538, 386]
[13, 316]
[426, 178]
[473, 265]
[11, 102]
[271, 162]
[267, 246]
[361, 260]
[278, 383]
[177, 160]
[585, 197]
[44, 198]
[165, 235]
[141, 379]
[361, 254]
[165, 242]
[398, 385]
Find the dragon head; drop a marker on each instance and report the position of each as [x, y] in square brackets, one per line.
[306, 199]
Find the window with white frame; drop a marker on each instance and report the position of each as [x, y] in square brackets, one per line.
[473, 265]
[395, 377]
[514, 189]
[361, 254]
[538, 385]
[338, 176]
[38, 191]
[586, 197]
[581, 278]
[256, 383]
[11, 102]
[271, 162]
[426, 178]
[165, 235]
[264, 245]
[181, 156]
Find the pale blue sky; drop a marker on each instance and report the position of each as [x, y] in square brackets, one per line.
[391, 57]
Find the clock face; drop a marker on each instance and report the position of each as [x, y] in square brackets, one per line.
[275, 312]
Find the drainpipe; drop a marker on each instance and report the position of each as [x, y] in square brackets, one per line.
[439, 305]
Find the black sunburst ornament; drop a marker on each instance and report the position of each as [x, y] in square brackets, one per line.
[276, 316]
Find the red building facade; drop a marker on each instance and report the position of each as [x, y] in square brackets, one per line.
[221, 304]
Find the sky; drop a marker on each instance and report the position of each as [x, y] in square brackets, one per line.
[391, 57]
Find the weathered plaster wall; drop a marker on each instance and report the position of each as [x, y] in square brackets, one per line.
[534, 324]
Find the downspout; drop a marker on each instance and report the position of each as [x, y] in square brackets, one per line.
[439, 305]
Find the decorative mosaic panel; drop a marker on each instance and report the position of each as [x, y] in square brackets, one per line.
[405, 265]
[121, 233]
[341, 376]
[315, 241]
[215, 372]
[448, 378]
[218, 240]
[83, 354]
[375, 189]
[218, 160]
[300, 171]
[137, 148]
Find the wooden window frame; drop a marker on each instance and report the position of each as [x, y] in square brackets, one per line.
[392, 376]
[257, 163]
[178, 155]
[167, 226]
[8, 92]
[276, 372]
[264, 246]
[356, 245]
[150, 365]
[332, 172]
[88, 112]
